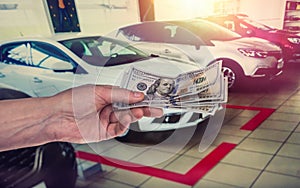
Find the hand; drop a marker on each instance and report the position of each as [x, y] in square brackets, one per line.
[87, 115]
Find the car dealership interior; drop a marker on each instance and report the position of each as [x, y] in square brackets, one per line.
[226, 74]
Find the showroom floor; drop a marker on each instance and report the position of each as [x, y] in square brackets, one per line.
[258, 146]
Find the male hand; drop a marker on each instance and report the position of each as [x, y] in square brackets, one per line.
[87, 114]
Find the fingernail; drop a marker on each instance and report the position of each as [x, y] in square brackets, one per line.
[137, 94]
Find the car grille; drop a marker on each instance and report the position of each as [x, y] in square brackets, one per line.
[16, 165]
[195, 117]
[169, 118]
[269, 72]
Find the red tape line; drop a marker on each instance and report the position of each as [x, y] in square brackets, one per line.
[196, 172]
[253, 123]
[190, 178]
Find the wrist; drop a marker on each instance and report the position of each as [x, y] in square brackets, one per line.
[51, 109]
[61, 124]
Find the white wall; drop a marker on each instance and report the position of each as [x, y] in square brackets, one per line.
[95, 17]
[103, 16]
[31, 17]
[270, 12]
[28, 19]
[182, 9]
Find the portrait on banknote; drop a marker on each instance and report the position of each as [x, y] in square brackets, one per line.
[161, 89]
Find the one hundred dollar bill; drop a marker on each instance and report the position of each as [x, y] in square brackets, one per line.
[195, 90]
[217, 93]
[198, 81]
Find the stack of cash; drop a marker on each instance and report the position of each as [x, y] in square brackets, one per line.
[201, 91]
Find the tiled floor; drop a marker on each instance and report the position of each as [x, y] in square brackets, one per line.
[268, 156]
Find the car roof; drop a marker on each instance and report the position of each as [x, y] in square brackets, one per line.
[54, 37]
[67, 36]
[147, 26]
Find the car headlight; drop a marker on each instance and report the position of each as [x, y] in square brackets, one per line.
[253, 52]
[294, 40]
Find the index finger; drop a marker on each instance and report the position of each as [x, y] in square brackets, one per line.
[112, 94]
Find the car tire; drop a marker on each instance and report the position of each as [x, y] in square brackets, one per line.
[11, 94]
[234, 73]
[63, 174]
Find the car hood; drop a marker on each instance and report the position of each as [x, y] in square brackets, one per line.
[158, 65]
[251, 42]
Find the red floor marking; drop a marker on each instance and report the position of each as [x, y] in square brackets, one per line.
[253, 123]
[196, 172]
[189, 178]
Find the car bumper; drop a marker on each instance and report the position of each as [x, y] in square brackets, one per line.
[270, 72]
[171, 121]
[295, 57]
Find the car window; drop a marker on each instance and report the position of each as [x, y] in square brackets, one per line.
[161, 32]
[178, 35]
[48, 56]
[36, 54]
[15, 53]
[208, 31]
[146, 32]
[108, 49]
[101, 51]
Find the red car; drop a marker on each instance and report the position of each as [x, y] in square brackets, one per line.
[242, 24]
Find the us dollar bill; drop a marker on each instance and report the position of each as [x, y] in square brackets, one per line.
[197, 90]
[197, 81]
[215, 93]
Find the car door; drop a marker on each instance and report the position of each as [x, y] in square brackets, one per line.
[14, 67]
[52, 71]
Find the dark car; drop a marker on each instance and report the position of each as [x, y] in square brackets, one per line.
[242, 24]
[53, 164]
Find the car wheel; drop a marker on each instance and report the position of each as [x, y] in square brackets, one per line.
[60, 164]
[11, 94]
[234, 74]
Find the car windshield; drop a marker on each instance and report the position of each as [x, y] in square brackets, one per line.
[102, 51]
[208, 31]
[257, 24]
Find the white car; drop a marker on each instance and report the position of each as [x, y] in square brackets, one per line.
[39, 67]
[205, 42]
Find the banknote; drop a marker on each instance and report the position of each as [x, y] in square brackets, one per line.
[215, 93]
[197, 81]
[160, 87]
[202, 91]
